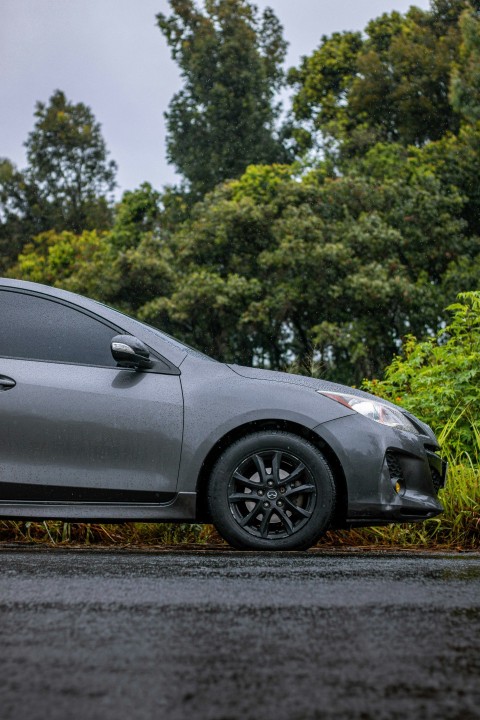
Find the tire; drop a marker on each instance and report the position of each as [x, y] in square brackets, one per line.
[292, 489]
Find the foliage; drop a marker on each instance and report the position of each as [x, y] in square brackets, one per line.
[388, 85]
[57, 532]
[67, 181]
[67, 162]
[322, 83]
[223, 119]
[272, 263]
[127, 266]
[454, 161]
[51, 258]
[438, 379]
[21, 212]
[465, 81]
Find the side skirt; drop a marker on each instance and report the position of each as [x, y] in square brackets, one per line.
[181, 508]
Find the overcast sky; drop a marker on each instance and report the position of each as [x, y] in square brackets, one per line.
[110, 55]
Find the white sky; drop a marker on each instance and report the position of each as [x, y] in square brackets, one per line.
[110, 55]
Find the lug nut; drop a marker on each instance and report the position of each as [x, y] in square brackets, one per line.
[270, 483]
[282, 489]
[266, 504]
[260, 492]
[279, 503]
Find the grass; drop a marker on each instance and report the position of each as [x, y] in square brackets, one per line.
[57, 532]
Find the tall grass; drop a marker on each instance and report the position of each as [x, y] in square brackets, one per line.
[56, 532]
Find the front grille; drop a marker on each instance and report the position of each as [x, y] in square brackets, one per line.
[394, 467]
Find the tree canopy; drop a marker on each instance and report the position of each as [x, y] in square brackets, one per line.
[223, 118]
[67, 182]
[465, 81]
[337, 257]
[390, 84]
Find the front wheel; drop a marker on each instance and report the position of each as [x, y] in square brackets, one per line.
[271, 491]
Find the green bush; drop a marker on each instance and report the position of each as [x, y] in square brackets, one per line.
[439, 380]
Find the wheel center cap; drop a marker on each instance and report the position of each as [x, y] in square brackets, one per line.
[272, 494]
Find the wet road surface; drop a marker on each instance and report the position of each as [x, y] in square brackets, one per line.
[235, 635]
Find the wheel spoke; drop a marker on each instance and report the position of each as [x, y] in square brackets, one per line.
[294, 475]
[243, 497]
[300, 489]
[299, 510]
[286, 522]
[260, 465]
[277, 459]
[245, 481]
[267, 514]
[251, 515]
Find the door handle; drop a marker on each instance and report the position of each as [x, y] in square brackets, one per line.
[6, 383]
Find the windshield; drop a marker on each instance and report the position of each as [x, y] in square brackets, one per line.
[174, 342]
[162, 335]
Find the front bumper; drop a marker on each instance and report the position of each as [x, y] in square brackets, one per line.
[390, 475]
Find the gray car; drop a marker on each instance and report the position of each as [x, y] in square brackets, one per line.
[103, 418]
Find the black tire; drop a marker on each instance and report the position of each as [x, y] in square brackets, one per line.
[292, 489]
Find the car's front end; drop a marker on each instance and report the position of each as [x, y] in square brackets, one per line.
[390, 460]
[386, 461]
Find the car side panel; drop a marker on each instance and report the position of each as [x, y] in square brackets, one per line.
[96, 428]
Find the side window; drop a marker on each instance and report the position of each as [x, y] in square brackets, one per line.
[34, 328]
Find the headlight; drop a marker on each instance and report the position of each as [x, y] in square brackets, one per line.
[374, 410]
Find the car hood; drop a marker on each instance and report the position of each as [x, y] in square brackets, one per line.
[315, 383]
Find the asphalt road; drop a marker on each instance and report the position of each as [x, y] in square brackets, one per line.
[234, 635]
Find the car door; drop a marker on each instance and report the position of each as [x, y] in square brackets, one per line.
[73, 426]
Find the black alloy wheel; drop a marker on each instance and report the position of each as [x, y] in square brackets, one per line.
[271, 490]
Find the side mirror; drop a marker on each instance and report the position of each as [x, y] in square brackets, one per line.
[129, 352]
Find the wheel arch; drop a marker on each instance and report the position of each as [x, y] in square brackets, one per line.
[208, 463]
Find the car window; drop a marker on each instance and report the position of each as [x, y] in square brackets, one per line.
[35, 328]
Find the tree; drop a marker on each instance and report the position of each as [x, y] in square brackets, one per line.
[224, 117]
[456, 162]
[53, 258]
[67, 181]
[21, 213]
[465, 81]
[68, 163]
[391, 85]
[322, 84]
[271, 265]
[127, 266]
[138, 212]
